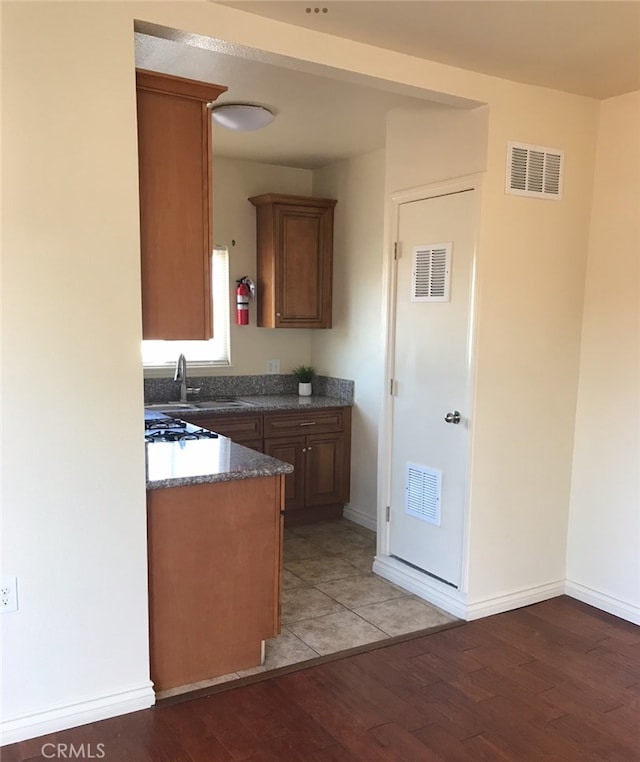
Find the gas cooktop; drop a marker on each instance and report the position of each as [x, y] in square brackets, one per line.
[170, 430]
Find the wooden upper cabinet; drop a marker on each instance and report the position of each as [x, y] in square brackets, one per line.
[295, 260]
[174, 156]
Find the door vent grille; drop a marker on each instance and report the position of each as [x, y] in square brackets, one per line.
[534, 171]
[423, 488]
[431, 268]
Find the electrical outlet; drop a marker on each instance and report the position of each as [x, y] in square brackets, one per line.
[273, 366]
[9, 594]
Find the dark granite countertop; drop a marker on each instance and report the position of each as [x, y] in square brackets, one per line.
[202, 461]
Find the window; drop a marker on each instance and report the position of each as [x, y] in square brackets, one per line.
[158, 353]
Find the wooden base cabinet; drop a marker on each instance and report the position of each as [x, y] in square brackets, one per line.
[319, 486]
[215, 555]
[316, 443]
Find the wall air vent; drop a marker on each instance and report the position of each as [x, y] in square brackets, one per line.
[431, 268]
[422, 493]
[534, 171]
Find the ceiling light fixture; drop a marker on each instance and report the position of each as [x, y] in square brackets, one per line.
[241, 116]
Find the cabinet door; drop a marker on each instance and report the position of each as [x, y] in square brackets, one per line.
[174, 157]
[325, 477]
[290, 450]
[303, 266]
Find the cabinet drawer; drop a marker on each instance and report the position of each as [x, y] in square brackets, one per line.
[236, 427]
[314, 422]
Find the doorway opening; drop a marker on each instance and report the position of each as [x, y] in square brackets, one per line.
[342, 158]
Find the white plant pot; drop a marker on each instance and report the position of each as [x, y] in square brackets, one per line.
[304, 390]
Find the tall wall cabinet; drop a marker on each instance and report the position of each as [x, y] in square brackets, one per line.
[295, 260]
[174, 156]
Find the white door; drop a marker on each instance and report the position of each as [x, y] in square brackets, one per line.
[430, 455]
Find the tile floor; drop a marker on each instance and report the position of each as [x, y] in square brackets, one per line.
[331, 601]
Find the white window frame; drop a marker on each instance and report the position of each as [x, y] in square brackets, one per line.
[215, 352]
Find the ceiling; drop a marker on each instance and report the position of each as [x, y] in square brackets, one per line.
[320, 119]
[324, 116]
[580, 46]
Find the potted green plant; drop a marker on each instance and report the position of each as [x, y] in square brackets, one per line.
[304, 374]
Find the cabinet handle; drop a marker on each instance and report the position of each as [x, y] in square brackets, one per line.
[309, 423]
[277, 314]
[304, 449]
[309, 449]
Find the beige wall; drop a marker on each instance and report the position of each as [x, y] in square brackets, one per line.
[73, 489]
[235, 219]
[531, 267]
[603, 563]
[74, 507]
[354, 347]
[427, 145]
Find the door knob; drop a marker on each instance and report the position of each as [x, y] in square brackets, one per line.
[453, 417]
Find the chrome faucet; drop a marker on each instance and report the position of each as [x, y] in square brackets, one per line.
[181, 376]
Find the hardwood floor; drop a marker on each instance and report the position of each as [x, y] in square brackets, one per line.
[555, 681]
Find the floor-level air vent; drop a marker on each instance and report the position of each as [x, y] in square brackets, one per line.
[431, 268]
[423, 493]
[534, 171]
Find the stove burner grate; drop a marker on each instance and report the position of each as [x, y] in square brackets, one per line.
[163, 423]
[178, 435]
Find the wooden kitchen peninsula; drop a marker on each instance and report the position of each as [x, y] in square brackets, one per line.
[214, 517]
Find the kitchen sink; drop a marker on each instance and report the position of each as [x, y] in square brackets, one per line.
[170, 407]
[222, 402]
[167, 407]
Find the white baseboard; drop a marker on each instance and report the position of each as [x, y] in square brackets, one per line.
[454, 601]
[604, 601]
[447, 598]
[497, 604]
[72, 715]
[360, 517]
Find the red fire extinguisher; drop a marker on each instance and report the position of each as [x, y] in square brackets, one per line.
[243, 292]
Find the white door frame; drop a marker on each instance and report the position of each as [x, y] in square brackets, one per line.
[430, 589]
